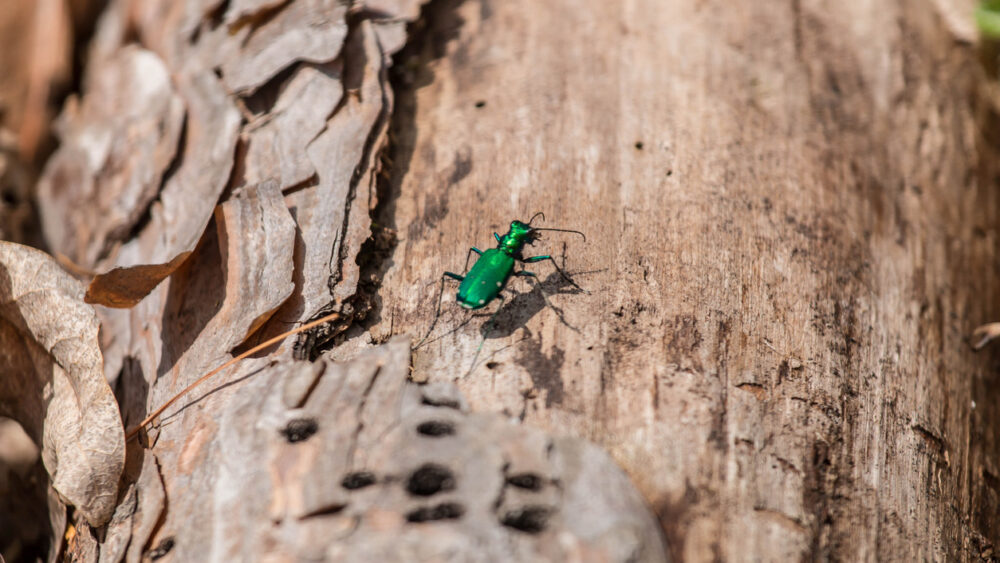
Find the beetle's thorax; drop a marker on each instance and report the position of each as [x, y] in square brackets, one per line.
[515, 239]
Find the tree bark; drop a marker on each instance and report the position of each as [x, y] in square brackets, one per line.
[790, 220]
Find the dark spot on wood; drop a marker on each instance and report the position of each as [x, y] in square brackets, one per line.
[935, 443]
[674, 513]
[782, 371]
[755, 389]
[10, 197]
[358, 480]
[299, 429]
[161, 548]
[436, 428]
[326, 510]
[492, 365]
[639, 145]
[430, 479]
[462, 166]
[528, 481]
[481, 104]
[544, 370]
[991, 480]
[529, 519]
[440, 402]
[443, 511]
[683, 342]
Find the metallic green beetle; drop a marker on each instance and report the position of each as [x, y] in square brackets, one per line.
[488, 276]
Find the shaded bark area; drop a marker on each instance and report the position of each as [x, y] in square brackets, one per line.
[791, 221]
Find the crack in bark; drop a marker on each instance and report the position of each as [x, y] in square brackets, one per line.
[360, 411]
[410, 69]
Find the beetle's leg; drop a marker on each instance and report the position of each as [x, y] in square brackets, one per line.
[469, 255]
[497, 236]
[437, 314]
[556, 266]
[486, 329]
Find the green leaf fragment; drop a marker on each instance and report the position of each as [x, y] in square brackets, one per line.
[988, 18]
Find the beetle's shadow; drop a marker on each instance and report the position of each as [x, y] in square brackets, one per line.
[515, 313]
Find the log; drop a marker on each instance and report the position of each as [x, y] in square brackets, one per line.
[790, 228]
[790, 213]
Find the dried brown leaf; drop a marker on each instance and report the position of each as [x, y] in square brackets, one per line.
[55, 385]
[124, 287]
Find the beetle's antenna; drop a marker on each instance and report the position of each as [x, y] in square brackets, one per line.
[564, 231]
[536, 215]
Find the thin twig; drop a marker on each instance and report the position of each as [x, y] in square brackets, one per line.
[132, 433]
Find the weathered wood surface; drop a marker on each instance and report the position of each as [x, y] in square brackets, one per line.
[791, 219]
[321, 461]
[791, 222]
[218, 172]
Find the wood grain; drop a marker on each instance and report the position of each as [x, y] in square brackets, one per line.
[791, 220]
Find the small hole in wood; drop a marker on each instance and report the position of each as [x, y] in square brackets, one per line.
[358, 480]
[436, 428]
[299, 429]
[481, 104]
[443, 511]
[161, 549]
[440, 402]
[10, 198]
[530, 519]
[430, 479]
[528, 481]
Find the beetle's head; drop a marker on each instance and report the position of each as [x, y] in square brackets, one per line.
[522, 232]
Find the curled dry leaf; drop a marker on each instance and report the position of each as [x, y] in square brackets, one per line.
[117, 145]
[54, 382]
[124, 287]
